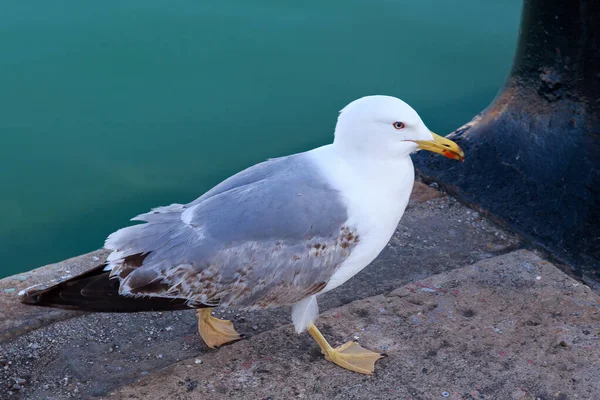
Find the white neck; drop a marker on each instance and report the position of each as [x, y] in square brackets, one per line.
[381, 181]
[375, 193]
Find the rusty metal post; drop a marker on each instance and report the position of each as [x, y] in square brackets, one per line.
[533, 156]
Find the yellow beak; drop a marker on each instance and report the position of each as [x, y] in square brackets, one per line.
[443, 146]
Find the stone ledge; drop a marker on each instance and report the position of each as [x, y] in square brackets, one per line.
[96, 353]
[422, 193]
[510, 327]
[16, 318]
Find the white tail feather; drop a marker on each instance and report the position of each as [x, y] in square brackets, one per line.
[305, 312]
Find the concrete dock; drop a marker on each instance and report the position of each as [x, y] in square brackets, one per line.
[463, 308]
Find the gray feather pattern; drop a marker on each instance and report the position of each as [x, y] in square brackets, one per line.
[270, 235]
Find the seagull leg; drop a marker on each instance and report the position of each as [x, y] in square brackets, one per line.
[214, 331]
[349, 356]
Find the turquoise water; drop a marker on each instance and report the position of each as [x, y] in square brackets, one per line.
[110, 108]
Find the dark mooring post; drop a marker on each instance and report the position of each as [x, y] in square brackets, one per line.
[533, 156]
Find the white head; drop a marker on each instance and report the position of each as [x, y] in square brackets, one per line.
[385, 126]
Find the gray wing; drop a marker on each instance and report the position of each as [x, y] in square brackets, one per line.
[270, 235]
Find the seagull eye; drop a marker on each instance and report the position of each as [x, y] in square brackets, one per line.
[398, 125]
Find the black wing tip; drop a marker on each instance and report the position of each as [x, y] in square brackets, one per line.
[96, 291]
[35, 297]
[30, 296]
[29, 300]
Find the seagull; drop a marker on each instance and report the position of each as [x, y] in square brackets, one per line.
[281, 232]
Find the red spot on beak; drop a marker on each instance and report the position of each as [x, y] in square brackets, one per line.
[452, 155]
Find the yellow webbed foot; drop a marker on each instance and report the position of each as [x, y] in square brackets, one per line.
[349, 355]
[214, 331]
[353, 357]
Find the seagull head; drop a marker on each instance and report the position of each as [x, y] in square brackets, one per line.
[385, 126]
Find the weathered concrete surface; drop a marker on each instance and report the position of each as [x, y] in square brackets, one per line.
[97, 353]
[511, 327]
[17, 318]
